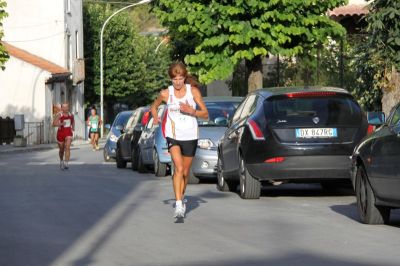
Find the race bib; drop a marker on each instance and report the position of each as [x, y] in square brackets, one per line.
[67, 123]
[94, 125]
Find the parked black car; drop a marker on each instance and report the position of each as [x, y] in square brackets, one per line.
[127, 142]
[290, 134]
[376, 169]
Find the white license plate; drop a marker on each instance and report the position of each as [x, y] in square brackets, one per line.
[316, 133]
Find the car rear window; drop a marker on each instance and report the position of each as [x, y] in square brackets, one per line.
[218, 109]
[332, 110]
[121, 119]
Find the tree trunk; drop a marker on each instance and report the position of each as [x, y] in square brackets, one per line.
[391, 95]
[255, 70]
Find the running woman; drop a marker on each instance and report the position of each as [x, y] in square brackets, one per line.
[94, 122]
[180, 127]
[65, 122]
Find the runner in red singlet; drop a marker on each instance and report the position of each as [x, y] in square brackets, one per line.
[65, 122]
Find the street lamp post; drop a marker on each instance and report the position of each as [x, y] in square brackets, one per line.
[101, 58]
[165, 39]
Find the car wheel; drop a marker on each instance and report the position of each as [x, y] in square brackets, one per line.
[222, 184]
[250, 188]
[368, 211]
[141, 166]
[134, 159]
[192, 178]
[160, 169]
[106, 157]
[121, 163]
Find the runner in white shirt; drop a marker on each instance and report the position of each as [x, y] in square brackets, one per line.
[180, 127]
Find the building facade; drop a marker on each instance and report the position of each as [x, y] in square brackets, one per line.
[44, 39]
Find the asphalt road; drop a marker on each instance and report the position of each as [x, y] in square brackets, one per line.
[96, 214]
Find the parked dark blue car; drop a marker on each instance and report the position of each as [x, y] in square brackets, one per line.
[115, 131]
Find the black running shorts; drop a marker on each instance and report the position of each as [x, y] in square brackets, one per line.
[188, 147]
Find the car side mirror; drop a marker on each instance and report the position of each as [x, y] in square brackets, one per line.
[221, 121]
[376, 118]
[120, 128]
[107, 126]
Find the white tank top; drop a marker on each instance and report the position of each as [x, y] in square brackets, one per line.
[180, 126]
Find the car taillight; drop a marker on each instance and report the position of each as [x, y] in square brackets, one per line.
[370, 129]
[145, 118]
[255, 130]
[275, 160]
[310, 94]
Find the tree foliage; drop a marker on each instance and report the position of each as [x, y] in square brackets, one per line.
[3, 53]
[226, 32]
[132, 71]
[384, 30]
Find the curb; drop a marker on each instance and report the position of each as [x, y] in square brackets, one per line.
[41, 148]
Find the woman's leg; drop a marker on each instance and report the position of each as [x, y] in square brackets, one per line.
[187, 163]
[178, 180]
[92, 139]
[68, 141]
[96, 140]
[61, 150]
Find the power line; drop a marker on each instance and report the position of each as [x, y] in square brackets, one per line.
[33, 26]
[37, 39]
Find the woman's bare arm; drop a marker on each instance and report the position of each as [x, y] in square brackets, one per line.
[162, 97]
[203, 112]
[56, 121]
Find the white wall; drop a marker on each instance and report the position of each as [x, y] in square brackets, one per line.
[37, 26]
[218, 88]
[74, 22]
[23, 91]
[42, 27]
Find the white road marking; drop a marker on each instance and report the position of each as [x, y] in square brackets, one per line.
[76, 163]
[107, 162]
[3, 163]
[37, 163]
[54, 163]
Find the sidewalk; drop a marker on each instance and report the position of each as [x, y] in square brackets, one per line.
[7, 149]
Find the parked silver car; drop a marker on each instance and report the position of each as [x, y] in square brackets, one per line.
[220, 110]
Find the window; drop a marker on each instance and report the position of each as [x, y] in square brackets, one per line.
[249, 106]
[68, 7]
[239, 110]
[69, 52]
[301, 111]
[149, 124]
[395, 121]
[77, 52]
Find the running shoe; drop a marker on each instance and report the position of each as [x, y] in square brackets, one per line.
[61, 164]
[178, 213]
[66, 165]
[184, 207]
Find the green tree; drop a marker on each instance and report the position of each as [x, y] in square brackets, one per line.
[227, 32]
[3, 53]
[132, 71]
[384, 45]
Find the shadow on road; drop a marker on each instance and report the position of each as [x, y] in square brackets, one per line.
[350, 211]
[304, 190]
[44, 211]
[300, 258]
